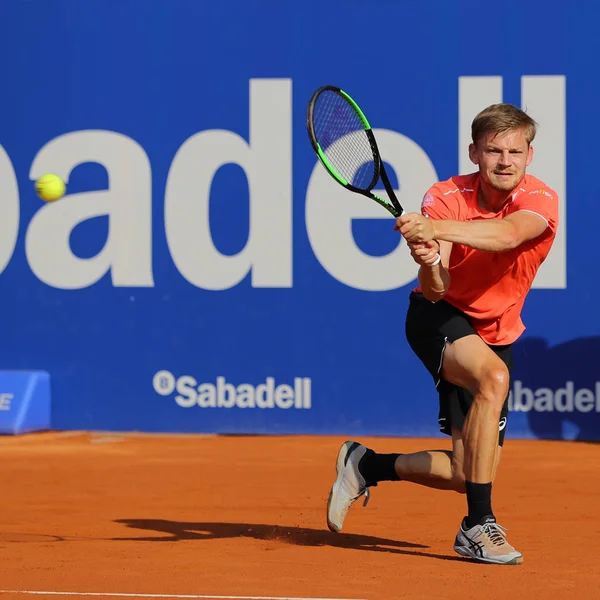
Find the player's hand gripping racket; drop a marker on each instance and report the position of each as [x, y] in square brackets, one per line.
[345, 144]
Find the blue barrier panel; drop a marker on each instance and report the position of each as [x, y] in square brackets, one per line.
[200, 239]
[555, 393]
[24, 401]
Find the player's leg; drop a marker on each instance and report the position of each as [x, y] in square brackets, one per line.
[359, 468]
[430, 330]
[472, 365]
[428, 327]
[480, 412]
[439, 469]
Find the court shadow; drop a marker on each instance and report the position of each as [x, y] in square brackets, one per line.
[559, 389]
[173, 531]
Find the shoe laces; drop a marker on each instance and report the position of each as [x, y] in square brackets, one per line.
[496, 533]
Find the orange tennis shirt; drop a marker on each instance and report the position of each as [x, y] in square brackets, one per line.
[490, 287]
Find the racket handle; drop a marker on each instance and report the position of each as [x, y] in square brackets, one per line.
[437, 260]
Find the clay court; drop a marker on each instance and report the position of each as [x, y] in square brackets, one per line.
[120, 515]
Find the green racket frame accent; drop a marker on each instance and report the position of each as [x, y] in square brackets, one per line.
[357, 110]
[385, 204]
[329, 166]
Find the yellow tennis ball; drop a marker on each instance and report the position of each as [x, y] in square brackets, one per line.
[50, 187]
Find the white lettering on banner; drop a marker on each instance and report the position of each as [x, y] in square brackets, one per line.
[330, 209]
[5, 401]
[544, 98]
[266, 158]
[267, 162]
[227, 395]
[9, 223]
[565, 399]
[128, 249]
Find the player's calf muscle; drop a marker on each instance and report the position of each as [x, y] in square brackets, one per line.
[439, 469]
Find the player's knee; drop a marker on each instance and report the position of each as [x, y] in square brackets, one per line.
[493, 387]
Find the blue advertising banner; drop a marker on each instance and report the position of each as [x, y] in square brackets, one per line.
[24, 401]
[205, 274]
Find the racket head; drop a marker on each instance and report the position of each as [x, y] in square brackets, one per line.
[341, 136]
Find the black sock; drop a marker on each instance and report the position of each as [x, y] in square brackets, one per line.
[378, 467]
[479, 499]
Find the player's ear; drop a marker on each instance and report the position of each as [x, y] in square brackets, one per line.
[529, 155]
[473, 154]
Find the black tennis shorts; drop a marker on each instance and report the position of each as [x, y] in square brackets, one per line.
[428, 326]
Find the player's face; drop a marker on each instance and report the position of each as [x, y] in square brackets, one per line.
[502, 158]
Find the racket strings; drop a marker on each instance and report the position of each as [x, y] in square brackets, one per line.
[343, 139]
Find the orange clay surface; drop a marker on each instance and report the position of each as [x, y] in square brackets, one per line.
[245, 517]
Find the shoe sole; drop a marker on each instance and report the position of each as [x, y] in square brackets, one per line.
[463, 551]
[346, 449]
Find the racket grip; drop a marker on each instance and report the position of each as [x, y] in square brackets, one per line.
[437, 260]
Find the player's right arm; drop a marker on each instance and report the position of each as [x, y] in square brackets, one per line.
[434, 279]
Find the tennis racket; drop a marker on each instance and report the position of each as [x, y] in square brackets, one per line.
[345, 144]
[343, 140]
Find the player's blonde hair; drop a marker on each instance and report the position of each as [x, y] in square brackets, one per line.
[500, 118]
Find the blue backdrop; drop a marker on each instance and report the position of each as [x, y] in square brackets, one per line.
[203, 273]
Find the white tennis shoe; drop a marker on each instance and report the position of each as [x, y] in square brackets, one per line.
[486, 543]
[349, 485]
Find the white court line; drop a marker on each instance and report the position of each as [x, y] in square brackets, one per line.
[203, 597]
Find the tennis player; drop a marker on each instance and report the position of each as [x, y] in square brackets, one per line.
[492, 229]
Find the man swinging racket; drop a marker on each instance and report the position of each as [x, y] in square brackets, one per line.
[479, 241]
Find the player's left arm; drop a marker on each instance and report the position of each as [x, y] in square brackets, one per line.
[493, 235]
[490, 235]
[533, 213]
